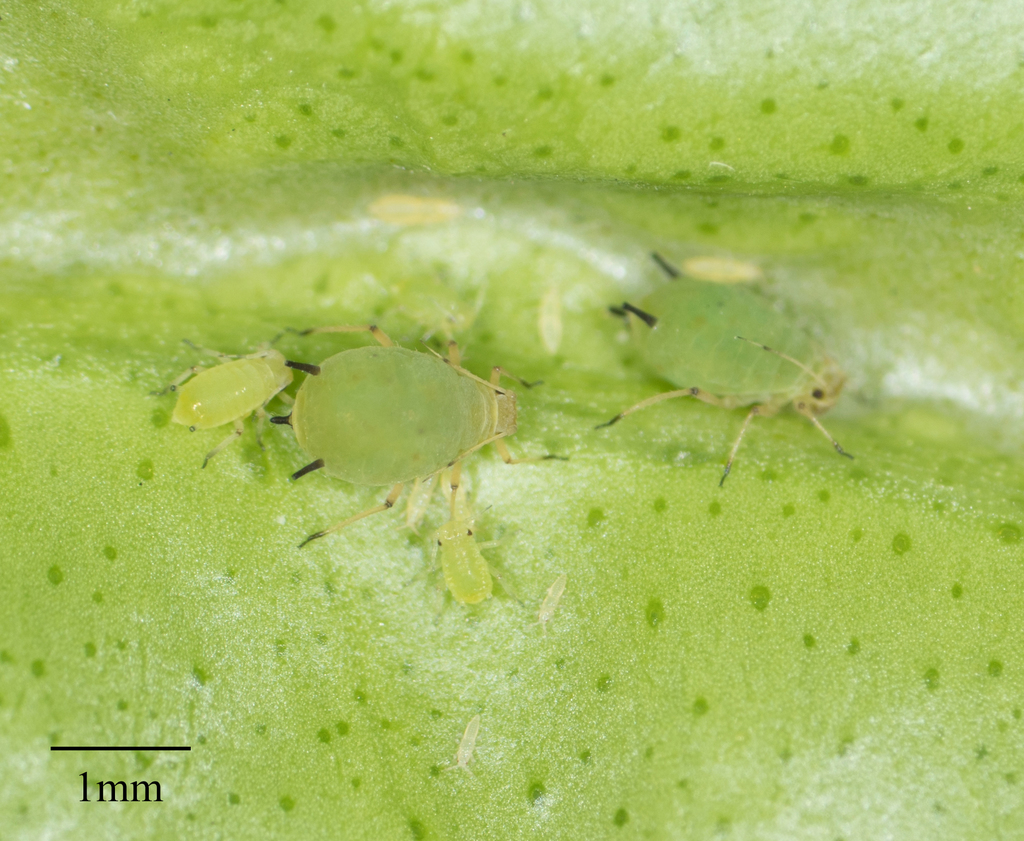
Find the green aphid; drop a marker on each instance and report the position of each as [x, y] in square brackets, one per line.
[229, 392]
[466, 571]
[725, 346]
[387, 415]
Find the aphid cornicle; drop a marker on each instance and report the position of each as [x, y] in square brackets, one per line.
[229, 392]
[728, 348]
[387, 415]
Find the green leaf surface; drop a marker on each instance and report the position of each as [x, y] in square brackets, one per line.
[818, 649]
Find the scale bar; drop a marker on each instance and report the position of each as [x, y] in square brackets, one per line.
[121, 747]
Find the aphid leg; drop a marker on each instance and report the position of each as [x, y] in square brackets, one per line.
[261, 419]
[807, 413]
[232, 437]
[504, 584]
[173, 385]
[372, 329]
[665, 266]
[419, 500]
[285, 398]
[396, 492]
[755, 410]
[699, 393]
[506, 456]
[454, 354]
[497, 373]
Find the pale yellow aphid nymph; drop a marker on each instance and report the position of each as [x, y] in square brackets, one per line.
[550, 603]
[722, 270]
[399, 209]
[549, 320]
[229, 392]
[466, 745]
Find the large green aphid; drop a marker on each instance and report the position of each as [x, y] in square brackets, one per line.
[729, 348]
[229, 392]
[387, 415]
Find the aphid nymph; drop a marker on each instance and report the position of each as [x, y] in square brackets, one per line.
[721, 269]
[466, 571]
[549, 320]
[387, 415]
[465, 752]
[406, 210]
[550, 603]
[229, 392]
[726, 347]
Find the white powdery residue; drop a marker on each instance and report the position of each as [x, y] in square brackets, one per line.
[928, 378]
[607, 263]
[182, 248]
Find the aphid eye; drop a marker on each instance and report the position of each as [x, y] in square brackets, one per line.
[469, 532]
[817, 394]
[191, 429]
[439, 543]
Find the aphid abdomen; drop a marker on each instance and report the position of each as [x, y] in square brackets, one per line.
[383, 415]
[694, 342]
[225, 392]
[465, 570]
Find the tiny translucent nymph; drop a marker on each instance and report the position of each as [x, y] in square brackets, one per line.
[724, 345]
[229, 392]
[387, 415]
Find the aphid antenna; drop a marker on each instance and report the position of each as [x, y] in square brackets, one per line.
[472, 376]
[782, 355]
[670, 270]
[520, 380]
[209, 351]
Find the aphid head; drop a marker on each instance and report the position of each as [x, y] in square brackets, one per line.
[275, 359]
[506, 413]
[455, 529]
[824, 391]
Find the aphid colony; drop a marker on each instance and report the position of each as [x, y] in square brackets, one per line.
[384, 415]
